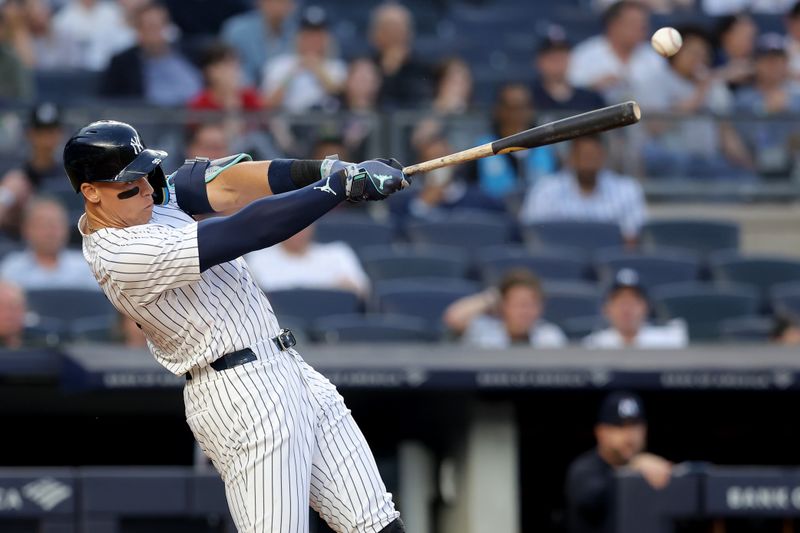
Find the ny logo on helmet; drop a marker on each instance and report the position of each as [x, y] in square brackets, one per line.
[137, 145]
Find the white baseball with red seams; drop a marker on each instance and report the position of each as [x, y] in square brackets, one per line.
[666, 41]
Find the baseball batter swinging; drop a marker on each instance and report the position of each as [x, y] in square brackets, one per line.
[167, 252]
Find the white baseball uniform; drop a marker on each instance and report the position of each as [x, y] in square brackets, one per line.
[275, 429]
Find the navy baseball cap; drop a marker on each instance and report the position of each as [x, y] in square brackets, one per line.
[620, 408]
[555, 38]
[314, 18]
[770, 44]
[626, 278]
[45, 115]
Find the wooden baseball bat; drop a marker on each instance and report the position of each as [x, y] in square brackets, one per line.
[596, 121]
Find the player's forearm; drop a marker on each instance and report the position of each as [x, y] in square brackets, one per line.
[266, 222]
[238, 186]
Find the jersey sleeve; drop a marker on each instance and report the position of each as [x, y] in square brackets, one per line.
[145, 261]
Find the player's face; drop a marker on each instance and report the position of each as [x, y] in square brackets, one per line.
[121, 212]
[621, 443]
[626, 311]
[521, 308]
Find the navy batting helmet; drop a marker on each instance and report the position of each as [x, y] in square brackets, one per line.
[111, 151]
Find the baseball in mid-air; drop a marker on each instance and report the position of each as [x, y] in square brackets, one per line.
[667, 41]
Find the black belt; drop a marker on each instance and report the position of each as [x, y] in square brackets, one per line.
[283, 341]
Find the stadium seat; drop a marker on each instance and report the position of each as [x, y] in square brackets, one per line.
[565, 301]
[93, 329]
[654, 268]
[468, 232]
[385, 328]
[755, 329]
[7, 246]
[356, 230]
[785, 299]
[700, 236]
[588, 237]
[576, 329]
[763, 272]
[70, 305]
[705, 306]
[394, 262]
[313, 304]
[67, 86]
[552, 265]
[423, 298]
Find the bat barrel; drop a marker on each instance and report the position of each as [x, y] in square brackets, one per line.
[597, 121]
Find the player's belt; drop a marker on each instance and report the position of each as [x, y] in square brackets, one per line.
[283, 341]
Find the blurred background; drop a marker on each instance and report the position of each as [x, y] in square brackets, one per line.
[588, 337]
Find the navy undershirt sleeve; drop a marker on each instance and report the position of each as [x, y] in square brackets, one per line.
[265, 222]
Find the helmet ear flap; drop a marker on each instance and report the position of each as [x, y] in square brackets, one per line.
[158, 181]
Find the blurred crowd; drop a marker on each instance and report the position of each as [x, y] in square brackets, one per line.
[236, 66]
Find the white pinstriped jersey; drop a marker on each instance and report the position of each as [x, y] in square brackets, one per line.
[151, 273]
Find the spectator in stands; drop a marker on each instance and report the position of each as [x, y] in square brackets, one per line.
[785, 332]
[298, 263]
[453, 87]
[793, 37]
[736, 38]
[208, 140]
[152, 70]
[265, 32]
[40, 46]
[499, 176]
[626, 309]
[611, 62]
[16, 81]
[552, 91]
[442, 190]
[359, 100]
[588, 191]
[130, 334]
[308, 77]
[46, 263]
[42, 171]
[224, 87]
[773, 143]
[694, 146]
[12, 315]
[406, 80]
[729, 7]
[621, 433]
[656, 6]
[97, 28]
[510, 314]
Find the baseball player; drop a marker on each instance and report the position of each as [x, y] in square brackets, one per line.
[167, 253]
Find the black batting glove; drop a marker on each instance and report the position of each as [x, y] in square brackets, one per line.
[373, 180]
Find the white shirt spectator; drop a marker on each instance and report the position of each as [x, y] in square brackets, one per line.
[304, 90]
[671, 335]
[98, 32]
[489, 332]
[323, 266]
[71, 272]
[616, 198]
[732, 7]
[594, 59]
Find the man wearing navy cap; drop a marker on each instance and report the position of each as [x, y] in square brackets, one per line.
[621, 432]
[626, 309]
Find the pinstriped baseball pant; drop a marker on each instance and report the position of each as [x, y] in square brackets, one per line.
[282, 439]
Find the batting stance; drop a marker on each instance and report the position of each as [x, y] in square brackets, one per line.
[277, 431]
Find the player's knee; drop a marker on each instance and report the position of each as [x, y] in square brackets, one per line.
[396, 526]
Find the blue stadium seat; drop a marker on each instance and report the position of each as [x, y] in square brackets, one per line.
[312, 304]
[705, 306]
[551, 265]
[654, 268]
[93, 329]
[69, 305]
[755, 329]
[576, 329]
[395, 262]
[700, 236]
[763, 272]
[588, 237]
[67, 86]
[565, 301]
[7, 246]
[468, 232]
[785, 298]
[373, 328]
[356, 230]
[423, 298]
